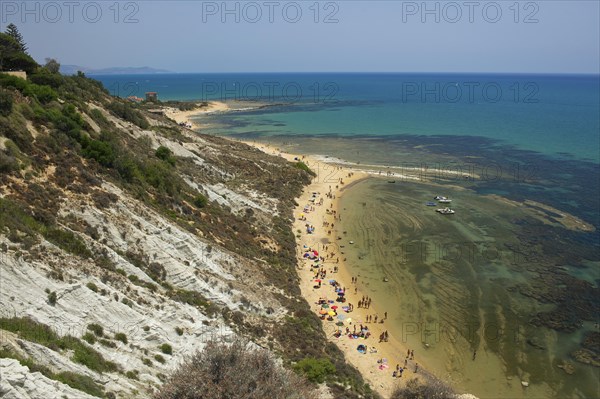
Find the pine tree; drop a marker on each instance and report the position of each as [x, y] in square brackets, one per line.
[13, 32]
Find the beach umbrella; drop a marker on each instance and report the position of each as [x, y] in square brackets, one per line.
[341, 317]
[322, 311]
[331, 313]
[331, 281]
[341, 293]
[316, 253]
[317, 280]
[334, 307]
[348, 320]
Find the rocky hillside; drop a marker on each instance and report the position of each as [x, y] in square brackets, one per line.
[127, 243]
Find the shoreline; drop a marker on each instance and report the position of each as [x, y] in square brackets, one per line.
[380, 379]
[184, 116]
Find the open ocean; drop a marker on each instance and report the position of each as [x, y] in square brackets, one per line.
[515, 273]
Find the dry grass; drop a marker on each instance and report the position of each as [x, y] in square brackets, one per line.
[234, 371]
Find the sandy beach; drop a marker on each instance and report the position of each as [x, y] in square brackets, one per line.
[184, 116]
[321, 211]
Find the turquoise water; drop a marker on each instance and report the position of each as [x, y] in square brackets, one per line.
[551, 114]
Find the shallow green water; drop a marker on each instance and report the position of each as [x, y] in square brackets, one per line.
[447, 293]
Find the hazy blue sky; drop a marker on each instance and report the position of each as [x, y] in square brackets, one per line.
[190, 36]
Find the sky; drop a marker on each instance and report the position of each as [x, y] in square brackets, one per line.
[549, 36]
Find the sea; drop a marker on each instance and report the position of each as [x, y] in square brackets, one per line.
[500, 299]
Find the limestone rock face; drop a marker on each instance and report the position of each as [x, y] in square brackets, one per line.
[19, 383]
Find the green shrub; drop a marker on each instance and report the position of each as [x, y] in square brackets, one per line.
[39, 333]
[44, 94]
[14, 82]
[99, 118]
[91, 358]
[89, 338]
[132, 374]
[68, 241]
[107, 343]
[315, 370]
[74, 380]
[166, 349]
[147, 361]
[80, 382]
[121, 337]
[200, 201]
[6, 103]
[32, 331]
[96, 329]
[103, 152]
[179, 330]
[165, 154]
[52, 298]
[45, 78]
[126, 112]
[159, 358]
[92, 286]
[302, 166]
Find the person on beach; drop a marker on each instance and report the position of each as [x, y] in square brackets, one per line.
[416, 367]
[412, 354]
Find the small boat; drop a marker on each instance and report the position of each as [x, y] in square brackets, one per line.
[430, 204]
[351, 242]
[445, 201]
[445, 211]
[385, 280]
[438, 197]
[391, 181]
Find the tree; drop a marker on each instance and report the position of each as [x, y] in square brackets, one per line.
[52, 65]
[12, 57]
[12, 31]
